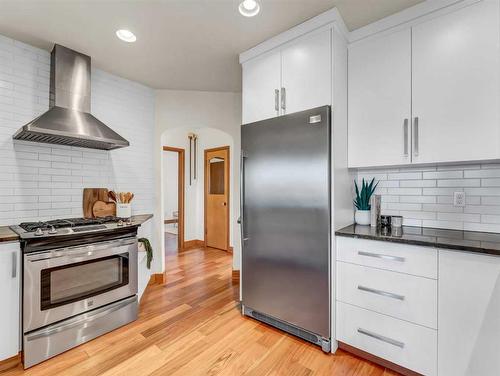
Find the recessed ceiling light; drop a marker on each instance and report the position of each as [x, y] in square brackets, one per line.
[126, 35]
[249, 8]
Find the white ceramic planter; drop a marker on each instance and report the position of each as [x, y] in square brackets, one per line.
[362, 217]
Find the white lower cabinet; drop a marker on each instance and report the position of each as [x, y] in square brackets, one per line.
[409, 345]
[10, 295]
[436, 312]
[398, 295]
[469, 314]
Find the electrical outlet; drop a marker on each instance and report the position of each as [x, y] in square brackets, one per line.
[459, 199]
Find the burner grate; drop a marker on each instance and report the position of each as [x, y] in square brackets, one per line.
[68, 222]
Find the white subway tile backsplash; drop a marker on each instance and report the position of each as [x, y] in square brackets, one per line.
[442, 208]
[41, 181]
[490, 182]
[490, 218]
[462, 217]
[418, 214]
[405, 176]
[482, 191]
[459, 183]
[424, 195]
[417, 183]
[418, 199]
[483, 173]
[404, 191]
[443, 175]
[486, 200]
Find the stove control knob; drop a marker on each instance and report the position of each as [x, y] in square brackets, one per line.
[52, 230]
[38, 232]
[120, 223]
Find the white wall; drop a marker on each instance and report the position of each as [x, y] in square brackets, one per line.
[170, 186]
[41, 181]
[424, 195]
[204, 113]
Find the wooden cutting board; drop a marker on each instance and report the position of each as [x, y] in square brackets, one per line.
[90, 196]
[103, 209]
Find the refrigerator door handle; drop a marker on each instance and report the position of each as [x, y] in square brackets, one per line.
[241, 219]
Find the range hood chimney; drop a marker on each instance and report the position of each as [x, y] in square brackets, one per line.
[68, 120]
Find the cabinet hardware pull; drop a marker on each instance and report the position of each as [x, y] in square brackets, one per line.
[14, 265]
[385, 257]
[405, 138]
[415, 136]
[380, 292]
[283, 98]
[276, 100]
[381, 338]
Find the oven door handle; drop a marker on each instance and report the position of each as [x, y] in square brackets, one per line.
[88, 253]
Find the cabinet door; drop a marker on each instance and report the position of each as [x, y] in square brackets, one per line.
[307, 72]
[10, 295]
[261, 78]
[456, 85]
[468, 314]
[380, 100]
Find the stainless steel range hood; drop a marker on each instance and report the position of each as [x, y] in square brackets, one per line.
[68, 121]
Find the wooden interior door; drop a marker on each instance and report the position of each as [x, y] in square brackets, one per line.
[217, 198]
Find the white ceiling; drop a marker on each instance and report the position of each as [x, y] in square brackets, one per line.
[181, 44]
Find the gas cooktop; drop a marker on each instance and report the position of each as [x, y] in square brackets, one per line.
[61, 223]
[68, 226]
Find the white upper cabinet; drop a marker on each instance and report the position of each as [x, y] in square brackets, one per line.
[380, 100]
[10, 294]
[306, 73]
[293, 77]
[456, 92]
[443, 75]
[260, 87]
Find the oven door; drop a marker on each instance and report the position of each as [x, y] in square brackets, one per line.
[64, 282]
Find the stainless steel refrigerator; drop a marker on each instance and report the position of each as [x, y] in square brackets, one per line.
[285, 223]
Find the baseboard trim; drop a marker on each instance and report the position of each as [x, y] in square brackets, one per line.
[11, 362]
[236, 276]
[190, 244]
[158, 279]
[375, 359]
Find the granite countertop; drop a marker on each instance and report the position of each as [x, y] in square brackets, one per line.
[7, 235]
[140, 219]
[470, 241]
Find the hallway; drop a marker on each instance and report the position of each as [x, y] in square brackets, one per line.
[192, 326]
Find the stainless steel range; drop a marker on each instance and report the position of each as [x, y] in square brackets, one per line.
[79, 282]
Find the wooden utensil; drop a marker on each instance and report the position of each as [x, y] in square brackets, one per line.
[112, 195]
[90, 196]
[104, 209]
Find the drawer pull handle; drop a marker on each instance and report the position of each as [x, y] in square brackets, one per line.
[380, 256]
[381, 338]
[380, 292]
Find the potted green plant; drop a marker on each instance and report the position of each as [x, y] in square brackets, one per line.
[362, 201]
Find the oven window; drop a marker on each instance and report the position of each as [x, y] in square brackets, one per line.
[69, 283]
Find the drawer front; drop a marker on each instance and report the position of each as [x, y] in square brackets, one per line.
[410, 259]
[409, 345]
[402, 296]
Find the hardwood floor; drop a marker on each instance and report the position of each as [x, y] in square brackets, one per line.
[192, 326]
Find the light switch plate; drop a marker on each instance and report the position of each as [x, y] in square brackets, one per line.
[459, 199]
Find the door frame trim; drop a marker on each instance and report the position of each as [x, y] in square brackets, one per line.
[205, 188]
[180, 192]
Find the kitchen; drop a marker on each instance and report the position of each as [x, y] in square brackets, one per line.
[406, 94]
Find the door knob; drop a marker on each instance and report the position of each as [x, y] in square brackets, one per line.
[224, 204]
